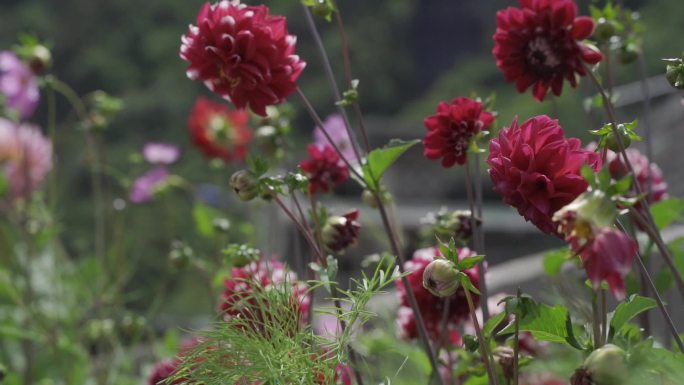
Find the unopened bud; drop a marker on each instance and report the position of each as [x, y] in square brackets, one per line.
[675, 75]
[441, 278]
[607, 365]
[503, 355]
[244, 184]
[612, 141]
[323, 8]
[340, 232]
[39, 59]
[605, 29]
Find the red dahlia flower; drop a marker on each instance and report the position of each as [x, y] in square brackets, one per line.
[163, 370]
[537, 45]
[218, 131]
[431, 307]
[324, 168]
[243, 54]
[608, 257]
[537, 169]
[451, 128]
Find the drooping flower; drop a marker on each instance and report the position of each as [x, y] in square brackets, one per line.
[324, 168]
[432, 307]
[536, 169]
[608, 257]
[158, 153]
[340, 232]
[451, 128]
[243, 54]
[538, 45]
[25, 157]
[335, 127]
[18, 86]
[648, 176]
[146, 185]
[238, 299]
[218, 131]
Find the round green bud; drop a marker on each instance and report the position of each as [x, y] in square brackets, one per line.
[607, 365]
[675, 75]
[441, 278]
[322, 8]
[605, 29]
[244, 184]
[612, 141]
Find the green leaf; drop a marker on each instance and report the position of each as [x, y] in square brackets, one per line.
[629, 309]
[554, 260]
[465, 282]
[204, 219]
[469, 262]
[549, 324]
[379, 160]
[492, 323]
[667, 211]
[4, 185]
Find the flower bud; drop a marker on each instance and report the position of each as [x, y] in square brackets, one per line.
[323, 8]
[441, 278]
[605, 29]
[456, 224]
[628, 53]
[244, 184]
[607, 365]
[675, 75]
[503, 356]
[340, 232]
[612, 141]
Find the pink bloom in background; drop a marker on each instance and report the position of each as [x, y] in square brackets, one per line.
[243, 54]
[451, 128]
[161, 153]
[536, 169]
[25, 157]
[538, 45]
[608, 257]
[335, 127]
[145, 186]
[18, 86]
[324, 168]
[237, 299]
[431, 307]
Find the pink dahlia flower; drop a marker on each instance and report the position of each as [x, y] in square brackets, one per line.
[324, 168]
[161, 153]
[243, 54]
[536, 169]
[238, 300]
[431, 307]
[25, 157]
[451, 128]
[18, 86]
[335, 127]
[538, 45]
[145, 186]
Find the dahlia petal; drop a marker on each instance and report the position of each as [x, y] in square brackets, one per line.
[582, 28]
[590, 55]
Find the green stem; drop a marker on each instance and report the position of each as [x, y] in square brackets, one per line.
[475, 210]
[516, 344]
[484, 352]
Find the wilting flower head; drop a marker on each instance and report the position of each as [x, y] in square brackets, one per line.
[581, 218]
[451, 128]
[431, 307]
[25, 157]
[644, 172]
[238, 299]
[161, 153]
[340, 232]
[538, 45]
[608, 256]
[218, 131]
[146, 185]
[243, 54]
[324, 168]
[536, 169]
[18, 86]
[336, 128]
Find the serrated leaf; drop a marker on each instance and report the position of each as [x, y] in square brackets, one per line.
[629, 309]
[549, 324]
[667, 211]
[379, 160]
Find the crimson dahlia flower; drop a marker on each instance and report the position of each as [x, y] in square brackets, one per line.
[324, 168]
[218, 131]
[243, 54]
[536, 169]
[538, 45]
[451, 128]
[431, 307]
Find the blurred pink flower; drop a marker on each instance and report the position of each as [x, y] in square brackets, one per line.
[161, 153]
[144, 187]
[25, 157]
[335, 127]
[18, 86]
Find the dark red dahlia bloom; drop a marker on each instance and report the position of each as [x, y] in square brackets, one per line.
[645, 174]
[163, 370]
[537, 45]
[608, 257]
[340, 232]
[536, 169]
[218, 131]
[243, 54]
[238, 299]
[451, 128]
[324, 168]
[431, 307]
